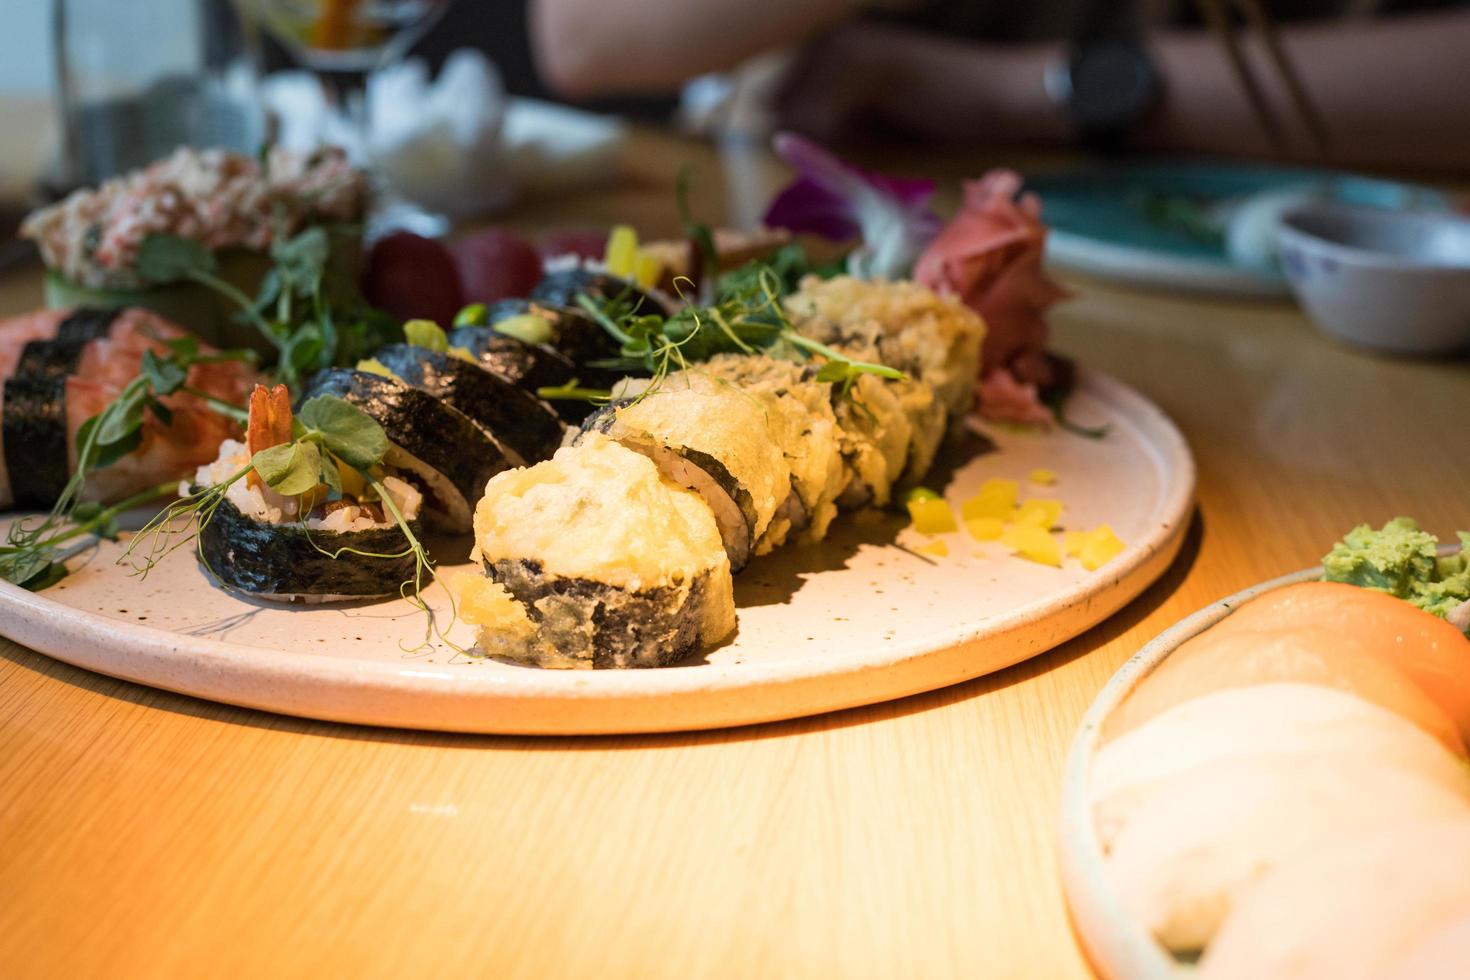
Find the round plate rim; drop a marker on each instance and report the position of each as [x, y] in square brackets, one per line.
[137, 647]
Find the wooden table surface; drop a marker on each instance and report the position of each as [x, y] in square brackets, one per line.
[148, 833]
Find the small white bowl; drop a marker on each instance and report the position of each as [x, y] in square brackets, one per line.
[1393, 281]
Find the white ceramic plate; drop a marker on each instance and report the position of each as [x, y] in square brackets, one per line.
[854, 620]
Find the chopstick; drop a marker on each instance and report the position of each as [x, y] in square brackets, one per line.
[1261, 23]
[1217, 18]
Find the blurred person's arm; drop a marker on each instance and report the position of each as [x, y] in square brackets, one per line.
[1392, 91]
[615, 47]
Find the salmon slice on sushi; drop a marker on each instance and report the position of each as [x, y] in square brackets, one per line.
[62, 368]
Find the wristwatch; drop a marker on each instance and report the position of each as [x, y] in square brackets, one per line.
[1106, 87]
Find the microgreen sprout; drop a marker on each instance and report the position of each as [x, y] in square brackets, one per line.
[311, 318]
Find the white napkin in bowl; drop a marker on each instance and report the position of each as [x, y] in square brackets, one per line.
[439, 142]
[456, 145]
[436, 142]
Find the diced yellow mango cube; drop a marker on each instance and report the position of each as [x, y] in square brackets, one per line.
[935, 549]
[1102, 547]
[621, 256]
[1039, 512]
[985, 528]
[1033, 543]
[996, 499]
[1042, 477]
[931, 515]
[1074, 541]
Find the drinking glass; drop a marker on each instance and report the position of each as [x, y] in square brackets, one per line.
[137, 80]
[341, 42]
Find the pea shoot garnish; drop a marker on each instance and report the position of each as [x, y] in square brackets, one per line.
[748, 318]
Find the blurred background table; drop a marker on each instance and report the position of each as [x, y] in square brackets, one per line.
[151, 834]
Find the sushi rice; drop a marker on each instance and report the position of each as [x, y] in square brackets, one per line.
[264, 505]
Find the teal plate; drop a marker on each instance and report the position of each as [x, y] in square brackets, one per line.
[1160, 224]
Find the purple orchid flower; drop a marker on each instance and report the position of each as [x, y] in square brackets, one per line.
[838, 201]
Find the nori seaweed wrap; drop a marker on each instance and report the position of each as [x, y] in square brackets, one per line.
[431, 440]
[527, 427]
[574, 334]
[530, 366]
[564, 285]
[585, 623]
[288, 561]
[34, 438]
[33, 418]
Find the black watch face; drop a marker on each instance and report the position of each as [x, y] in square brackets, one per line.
[1113, 86]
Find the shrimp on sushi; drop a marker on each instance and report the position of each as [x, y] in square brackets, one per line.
[306, 547]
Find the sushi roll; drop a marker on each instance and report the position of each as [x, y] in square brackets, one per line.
[570, 331]
[529, 366]
[526, 428]
[899, 422]
[61, 368]
[711, 437]
[49, 343]
[562, 286]
[805, 427]
[264, 545]
[440, 446]
[307, 547]
[876, 434]
[934, 339]
[926, 417]
[594, 560]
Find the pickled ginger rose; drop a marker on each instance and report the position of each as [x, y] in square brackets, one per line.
[989, 255]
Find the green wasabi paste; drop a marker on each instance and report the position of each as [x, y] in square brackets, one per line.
[1404, 561]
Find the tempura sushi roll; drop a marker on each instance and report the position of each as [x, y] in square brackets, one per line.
[713, 438]
[527, 428]
[799, 409]
[312, 549]
[876, 434]
[896, 422]
[451, 455]
[593, 559]
[927, 427]
[934, 339]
